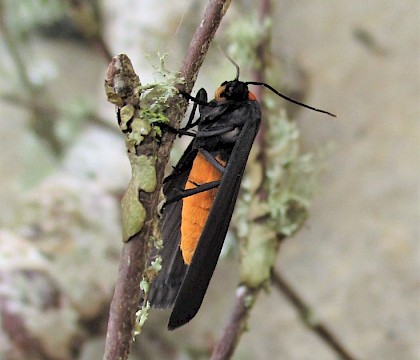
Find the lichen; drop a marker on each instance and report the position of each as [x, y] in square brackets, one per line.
[142, 111]
[244, 35]
[289, 182]
[143, 179]
[141, 316]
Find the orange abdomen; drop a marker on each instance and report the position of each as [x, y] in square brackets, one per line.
[196, 208]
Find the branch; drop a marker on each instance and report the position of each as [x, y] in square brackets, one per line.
[134, 254]
[12, 47]
[246, 294]
[41, 122]
[53, 112]
[245, 298]
[258, 74]
[305, 312]
[87, 21]
[201, 41]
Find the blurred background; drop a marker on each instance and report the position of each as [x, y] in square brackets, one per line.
[63, 171]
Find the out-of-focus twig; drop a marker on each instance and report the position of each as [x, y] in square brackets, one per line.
[245, 296]
[87, 21]
[41, 121]
[53, 112]
[304, 310]
[13, 49]
[32, 96]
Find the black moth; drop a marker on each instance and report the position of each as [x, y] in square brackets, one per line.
[201, 194]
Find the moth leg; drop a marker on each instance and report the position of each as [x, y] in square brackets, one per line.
[212, 160]
[198, 189]
[200, 99]
[172, 130]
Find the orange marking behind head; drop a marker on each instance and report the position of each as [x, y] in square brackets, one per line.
[218, 93]
[196, 208]
[251, 96]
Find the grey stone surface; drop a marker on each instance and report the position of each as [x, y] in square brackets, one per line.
[357, 262]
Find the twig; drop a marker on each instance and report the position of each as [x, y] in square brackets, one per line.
[263, 49]
[245, 298]
[41, 122]
[246, 295]
[304, 311]
[53, 112]
[133, 258]
[201, 41]
[13, 48]
[84, 17]
[237, 323]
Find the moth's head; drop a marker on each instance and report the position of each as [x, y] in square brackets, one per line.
[234, 90]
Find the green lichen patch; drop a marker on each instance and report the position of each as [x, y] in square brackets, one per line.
[256, 265]
[141, 316]
[143, 179]
[133, 212]
[289, 183]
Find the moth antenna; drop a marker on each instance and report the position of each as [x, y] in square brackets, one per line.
[232, 61]
[289, 99]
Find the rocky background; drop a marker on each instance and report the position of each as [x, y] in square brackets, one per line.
[356, 262]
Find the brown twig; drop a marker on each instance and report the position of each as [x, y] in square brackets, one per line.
[245, 298]
[201, 41]
[263, 50]
[133, 258]
[304, 311]
[246, 295]
[123, 81]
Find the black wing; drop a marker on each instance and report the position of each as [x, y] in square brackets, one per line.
[200, 271]
[165, 286]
